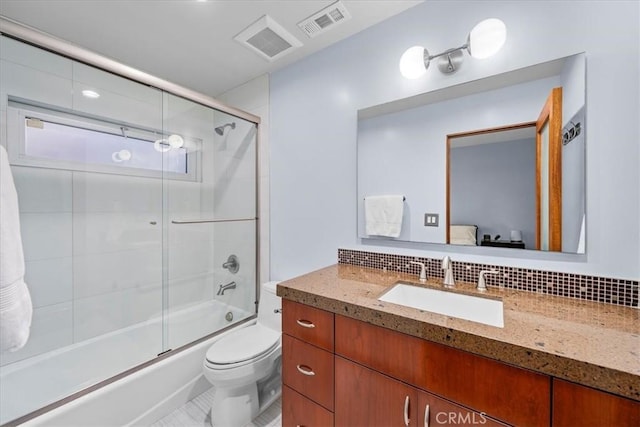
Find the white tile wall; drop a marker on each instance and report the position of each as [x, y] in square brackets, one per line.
[97, 233]
[50, 281]
[42, 190]
[31, 73]
[51, 328]
[95, 192]
[120, 99]
[253, 97]
[46, 235]
[103, 273]
[104, 313]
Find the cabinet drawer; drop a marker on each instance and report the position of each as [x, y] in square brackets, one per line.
[298, 411]
[309, 324]
[308, 370]
[574, 405]
[398, 355]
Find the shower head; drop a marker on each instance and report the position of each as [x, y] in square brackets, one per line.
[220, 129]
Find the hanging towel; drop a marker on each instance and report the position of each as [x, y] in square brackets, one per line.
[15, 302]
[383, 215]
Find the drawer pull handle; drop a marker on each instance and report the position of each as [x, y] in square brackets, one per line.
[426, 416]
[406, 411]
[305, 370]
[305, 323]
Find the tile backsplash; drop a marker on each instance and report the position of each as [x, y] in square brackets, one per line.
[592, 288]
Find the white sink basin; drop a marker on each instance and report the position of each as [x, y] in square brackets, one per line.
[476, 309]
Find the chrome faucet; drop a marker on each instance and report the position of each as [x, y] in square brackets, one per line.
[448, 272]
[482, 284]
[423, 270]
[230, 285]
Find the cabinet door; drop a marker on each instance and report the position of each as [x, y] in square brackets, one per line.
[368, 398]
[514, 395]
[434, 411]
[299, 411]
[576, 405]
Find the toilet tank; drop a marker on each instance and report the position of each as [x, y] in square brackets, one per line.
[269, 302]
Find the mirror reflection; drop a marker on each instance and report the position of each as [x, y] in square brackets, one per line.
[490, 163]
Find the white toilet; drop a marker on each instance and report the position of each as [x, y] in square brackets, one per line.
[244, 366]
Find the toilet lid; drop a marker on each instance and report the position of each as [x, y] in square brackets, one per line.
[243, 344]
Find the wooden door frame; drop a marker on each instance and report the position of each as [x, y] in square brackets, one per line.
[448, 161]
[552, 114]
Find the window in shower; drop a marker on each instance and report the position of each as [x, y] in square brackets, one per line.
[65, 141]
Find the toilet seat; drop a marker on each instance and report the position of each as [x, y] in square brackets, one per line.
[242, 347]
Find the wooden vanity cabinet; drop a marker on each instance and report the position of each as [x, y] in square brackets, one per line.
[342, 371]
[307, 366]
[577, 405]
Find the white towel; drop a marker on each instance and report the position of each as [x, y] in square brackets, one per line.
[15, 301]
[383, 215]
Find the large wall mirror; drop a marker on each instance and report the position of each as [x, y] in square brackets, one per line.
[497, 162]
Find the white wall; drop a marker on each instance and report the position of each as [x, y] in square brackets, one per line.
[253, 97]
[314, 124]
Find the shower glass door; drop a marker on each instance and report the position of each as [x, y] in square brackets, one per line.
[210, 221]
[131, 202]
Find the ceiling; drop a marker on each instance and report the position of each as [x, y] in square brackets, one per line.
[190, 42]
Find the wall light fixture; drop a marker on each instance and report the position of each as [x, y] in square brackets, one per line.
[484, 40]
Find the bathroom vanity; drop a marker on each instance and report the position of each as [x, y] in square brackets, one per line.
[350, 359]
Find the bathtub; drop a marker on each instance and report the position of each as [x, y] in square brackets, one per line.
[138, 397]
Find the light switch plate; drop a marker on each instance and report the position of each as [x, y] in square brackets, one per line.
[431, 219]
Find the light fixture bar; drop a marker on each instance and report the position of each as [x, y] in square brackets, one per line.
[484, 40]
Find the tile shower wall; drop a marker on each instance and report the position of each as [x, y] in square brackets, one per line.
[592, 288]
[253, 97]
[45, 201]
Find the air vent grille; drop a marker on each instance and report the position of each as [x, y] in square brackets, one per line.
[268, 39]
[324, 19]
[268, 42]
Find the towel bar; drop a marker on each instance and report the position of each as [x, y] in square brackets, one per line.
[203, 221]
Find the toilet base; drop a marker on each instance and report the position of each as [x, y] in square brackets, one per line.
[237, 407]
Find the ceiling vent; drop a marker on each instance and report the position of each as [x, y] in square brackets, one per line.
[325, 19]
[268, 39]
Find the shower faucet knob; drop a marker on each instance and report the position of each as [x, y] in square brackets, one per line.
[232, 264]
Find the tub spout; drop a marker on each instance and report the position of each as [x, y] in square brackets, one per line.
[230, 285]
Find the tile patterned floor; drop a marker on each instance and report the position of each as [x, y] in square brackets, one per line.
[195, 413]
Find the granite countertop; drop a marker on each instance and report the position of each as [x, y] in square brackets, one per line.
[590, 343]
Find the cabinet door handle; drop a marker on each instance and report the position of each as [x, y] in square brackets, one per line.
[426, 416]
[304, 369]
[406, 411]
[305, 323]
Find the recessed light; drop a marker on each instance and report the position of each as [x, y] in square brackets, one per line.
[90, 93]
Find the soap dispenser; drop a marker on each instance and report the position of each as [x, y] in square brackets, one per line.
[448, 272]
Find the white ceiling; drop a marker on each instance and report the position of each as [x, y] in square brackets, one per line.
[189, 42]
